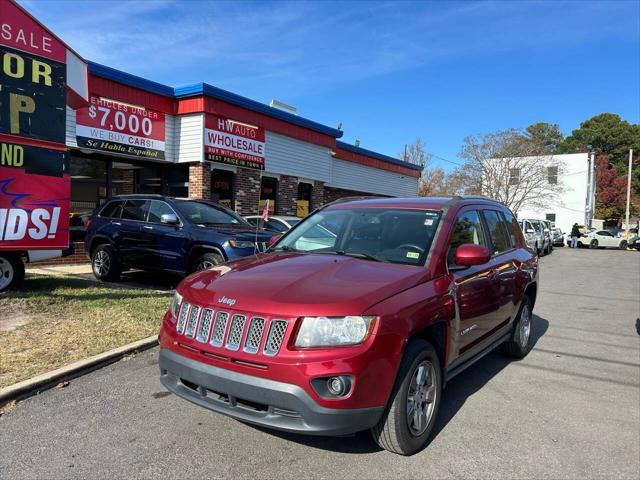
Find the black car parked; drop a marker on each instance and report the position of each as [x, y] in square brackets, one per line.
[154, 232]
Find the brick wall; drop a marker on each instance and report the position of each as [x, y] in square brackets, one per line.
[200, 180]
[247, 191]
[331, 194]
[317, 195]
[287, 195]
[128, 185]
[78, 257]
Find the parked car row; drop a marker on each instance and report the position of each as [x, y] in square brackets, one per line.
[540, 235]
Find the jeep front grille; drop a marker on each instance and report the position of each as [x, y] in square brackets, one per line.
[219, 329]
[182, 317]
[205, 326]
[192, 322]
[224, 330]
[235, 332]
[254, 335]
[276, 335]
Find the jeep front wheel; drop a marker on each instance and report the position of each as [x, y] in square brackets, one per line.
[410, 415]
[206, 261]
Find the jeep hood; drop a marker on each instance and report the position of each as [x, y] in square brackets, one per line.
[294, 284]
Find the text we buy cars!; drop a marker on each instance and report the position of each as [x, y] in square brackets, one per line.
[355, 319]
[39, 78]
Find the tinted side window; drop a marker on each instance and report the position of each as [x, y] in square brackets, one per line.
[157, 209]
[513, 229]
[497, 231]
[135, 210]
[467, 230]
[112, 210]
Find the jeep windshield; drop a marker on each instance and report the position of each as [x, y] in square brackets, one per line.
[387, 235]
[204, 213]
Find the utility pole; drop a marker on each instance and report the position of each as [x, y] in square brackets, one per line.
[626, 228]
[588, 210]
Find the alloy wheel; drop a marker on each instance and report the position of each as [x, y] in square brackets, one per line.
[6, 273]
[421, 398]
[101, 263]
[205, 265]
[524, 328]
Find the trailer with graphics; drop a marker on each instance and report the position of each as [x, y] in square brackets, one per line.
[40, 78]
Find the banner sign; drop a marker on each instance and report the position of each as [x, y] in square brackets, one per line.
[34, 162]
[234, 143]
[34, 198]
[118, 127]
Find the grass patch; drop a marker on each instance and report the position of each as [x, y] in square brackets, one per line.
[69, 319]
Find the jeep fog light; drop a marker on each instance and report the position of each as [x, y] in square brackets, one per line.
[336, 386]
[334, 331]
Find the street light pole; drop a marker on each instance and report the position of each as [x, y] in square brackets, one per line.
[628, 193]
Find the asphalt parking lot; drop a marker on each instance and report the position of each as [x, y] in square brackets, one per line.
[571, 409]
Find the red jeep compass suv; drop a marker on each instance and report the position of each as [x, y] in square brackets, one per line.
[355, 319]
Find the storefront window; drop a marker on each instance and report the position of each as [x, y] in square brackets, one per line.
[304, 199]
[268, 190]
[178, 181]
[129, 178]
[222, 187]
[88, 190]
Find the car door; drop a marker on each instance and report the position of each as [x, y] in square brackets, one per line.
[503, 235]
[606, 239]
[129, 241]
[476, 288]
[163, 245]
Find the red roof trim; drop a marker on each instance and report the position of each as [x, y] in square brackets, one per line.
[375, 163]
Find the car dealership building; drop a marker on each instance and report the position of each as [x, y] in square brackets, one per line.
[138, 136]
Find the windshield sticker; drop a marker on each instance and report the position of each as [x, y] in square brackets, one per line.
[413, 255]
[428, 221]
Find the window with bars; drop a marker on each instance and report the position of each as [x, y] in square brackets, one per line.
[514, 176]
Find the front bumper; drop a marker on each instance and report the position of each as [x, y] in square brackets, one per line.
[259, 401]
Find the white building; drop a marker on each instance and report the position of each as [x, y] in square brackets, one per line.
[571, 206]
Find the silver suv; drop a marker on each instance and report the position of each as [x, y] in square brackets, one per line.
[534, 235]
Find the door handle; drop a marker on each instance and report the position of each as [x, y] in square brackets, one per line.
[148, 227]
[116, 223]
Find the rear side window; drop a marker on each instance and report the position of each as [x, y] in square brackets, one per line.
[513, 228]
[157, 209]
[467, 230]
[135, 210]
[112, 210]
[497, 228]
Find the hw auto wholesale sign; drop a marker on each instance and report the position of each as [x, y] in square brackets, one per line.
[121, 128]
[234, 143]
[34, 163]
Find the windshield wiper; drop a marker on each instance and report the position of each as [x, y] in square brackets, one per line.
[284, 248]
[364, 255]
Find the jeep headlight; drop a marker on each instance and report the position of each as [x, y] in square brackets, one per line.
[175, 304]
[334, 331]
[241, 244]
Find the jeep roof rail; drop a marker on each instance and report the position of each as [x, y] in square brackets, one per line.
[126, 195]
[354, 199]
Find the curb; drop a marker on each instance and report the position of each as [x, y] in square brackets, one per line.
[44, 381]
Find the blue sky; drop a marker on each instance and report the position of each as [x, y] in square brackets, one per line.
[389, 71]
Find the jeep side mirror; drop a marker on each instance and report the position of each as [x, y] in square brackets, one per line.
[169, 219]
[274, 239]
[469, 254]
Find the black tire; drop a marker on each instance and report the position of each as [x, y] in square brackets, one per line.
[105, 264]
[11, 271]
[623, 245]
[206, 261]
[392, 431]
[516, 346]
[593, 243]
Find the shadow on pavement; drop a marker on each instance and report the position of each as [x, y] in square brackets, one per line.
[454, 396]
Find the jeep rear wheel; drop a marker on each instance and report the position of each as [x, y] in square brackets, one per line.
[11, 271]
[105, 264]
[413, 406]
[519, 343]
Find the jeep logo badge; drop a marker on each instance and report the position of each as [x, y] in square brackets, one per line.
[228, 301]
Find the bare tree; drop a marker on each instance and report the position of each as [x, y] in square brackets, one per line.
[512, 169]
[435, 182]
[415, 153]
